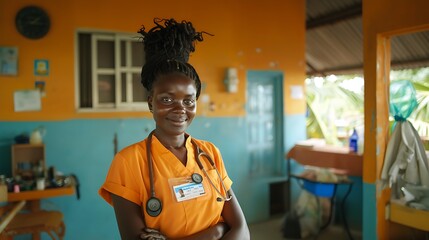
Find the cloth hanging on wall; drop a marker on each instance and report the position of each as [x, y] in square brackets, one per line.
[405, 158]
[406, 167]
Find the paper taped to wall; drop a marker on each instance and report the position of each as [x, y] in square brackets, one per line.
[27, 100]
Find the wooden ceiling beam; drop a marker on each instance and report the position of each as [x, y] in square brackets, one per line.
[422, 62]
[314, 72]
[334, 17]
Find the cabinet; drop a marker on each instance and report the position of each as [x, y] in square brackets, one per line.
[28, 160]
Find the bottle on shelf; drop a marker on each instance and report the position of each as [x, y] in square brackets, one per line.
[353, 141]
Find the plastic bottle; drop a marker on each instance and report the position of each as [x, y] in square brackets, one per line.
[353, 141]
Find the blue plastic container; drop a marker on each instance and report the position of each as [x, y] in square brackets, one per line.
[319, 189]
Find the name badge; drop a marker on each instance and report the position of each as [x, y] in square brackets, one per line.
[188, 191]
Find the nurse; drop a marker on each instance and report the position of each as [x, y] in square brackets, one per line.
[156, 186]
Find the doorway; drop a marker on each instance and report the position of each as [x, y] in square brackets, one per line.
[264, 118]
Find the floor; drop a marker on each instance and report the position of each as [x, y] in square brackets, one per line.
[271, 229]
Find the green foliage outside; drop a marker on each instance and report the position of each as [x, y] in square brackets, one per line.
[335, 105]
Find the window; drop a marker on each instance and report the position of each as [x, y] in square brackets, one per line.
[109, 72]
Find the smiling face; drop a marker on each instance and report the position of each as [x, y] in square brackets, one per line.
[173, 103]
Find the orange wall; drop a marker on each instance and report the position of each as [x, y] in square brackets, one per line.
[382, 19]
[240, 27]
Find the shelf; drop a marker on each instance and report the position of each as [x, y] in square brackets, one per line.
[410, 217]
[39, 194]
[25, 157]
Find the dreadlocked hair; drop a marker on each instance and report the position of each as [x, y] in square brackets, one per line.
[167, 48]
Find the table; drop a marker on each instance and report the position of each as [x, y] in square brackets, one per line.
[33, 198]
[328, 157]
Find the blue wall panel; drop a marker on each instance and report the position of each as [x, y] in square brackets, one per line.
[85, 148]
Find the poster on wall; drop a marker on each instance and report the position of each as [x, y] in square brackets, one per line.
[40, 85]
[27, 100]
[41, 67]
[9, 61]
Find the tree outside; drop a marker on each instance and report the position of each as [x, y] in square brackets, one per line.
[335, 105]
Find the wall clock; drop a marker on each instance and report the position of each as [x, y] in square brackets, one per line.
[32, 22]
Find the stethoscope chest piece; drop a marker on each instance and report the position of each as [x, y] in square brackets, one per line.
[153, 207]
[196, 178]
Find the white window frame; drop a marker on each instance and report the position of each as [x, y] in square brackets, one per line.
[117, 71]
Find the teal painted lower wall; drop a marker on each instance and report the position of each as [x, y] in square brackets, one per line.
[370, 213]
[85, 148]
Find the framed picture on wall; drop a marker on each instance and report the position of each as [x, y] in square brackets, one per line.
[9, 61]
[40, 85]
[41, 67]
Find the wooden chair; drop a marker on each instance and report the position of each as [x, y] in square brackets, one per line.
[7, 213]
[50, 222]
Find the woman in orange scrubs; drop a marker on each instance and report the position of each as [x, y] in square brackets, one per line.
[163, 165]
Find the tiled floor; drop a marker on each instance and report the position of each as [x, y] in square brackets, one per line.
[271, 230]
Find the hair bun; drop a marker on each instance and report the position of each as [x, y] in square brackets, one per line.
[167, 48]
[169, 40]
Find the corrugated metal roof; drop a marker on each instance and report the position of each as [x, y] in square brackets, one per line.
[334, 42]
[410, 50]
[318, 8]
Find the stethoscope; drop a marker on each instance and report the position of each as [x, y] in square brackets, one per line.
[154, 204]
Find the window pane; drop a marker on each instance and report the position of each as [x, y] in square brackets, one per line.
[85, 70]
[137, 53]
[105, 54]
[123, 87]
[139, 92]
[106, 88]
[123, 53]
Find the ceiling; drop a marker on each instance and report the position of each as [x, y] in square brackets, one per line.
[334, 42]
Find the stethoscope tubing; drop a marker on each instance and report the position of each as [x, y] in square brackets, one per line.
[149, 160]
[200, 154]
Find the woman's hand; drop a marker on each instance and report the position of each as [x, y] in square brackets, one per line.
[152, 234]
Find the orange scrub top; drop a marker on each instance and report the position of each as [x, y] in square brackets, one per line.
[128, 177]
